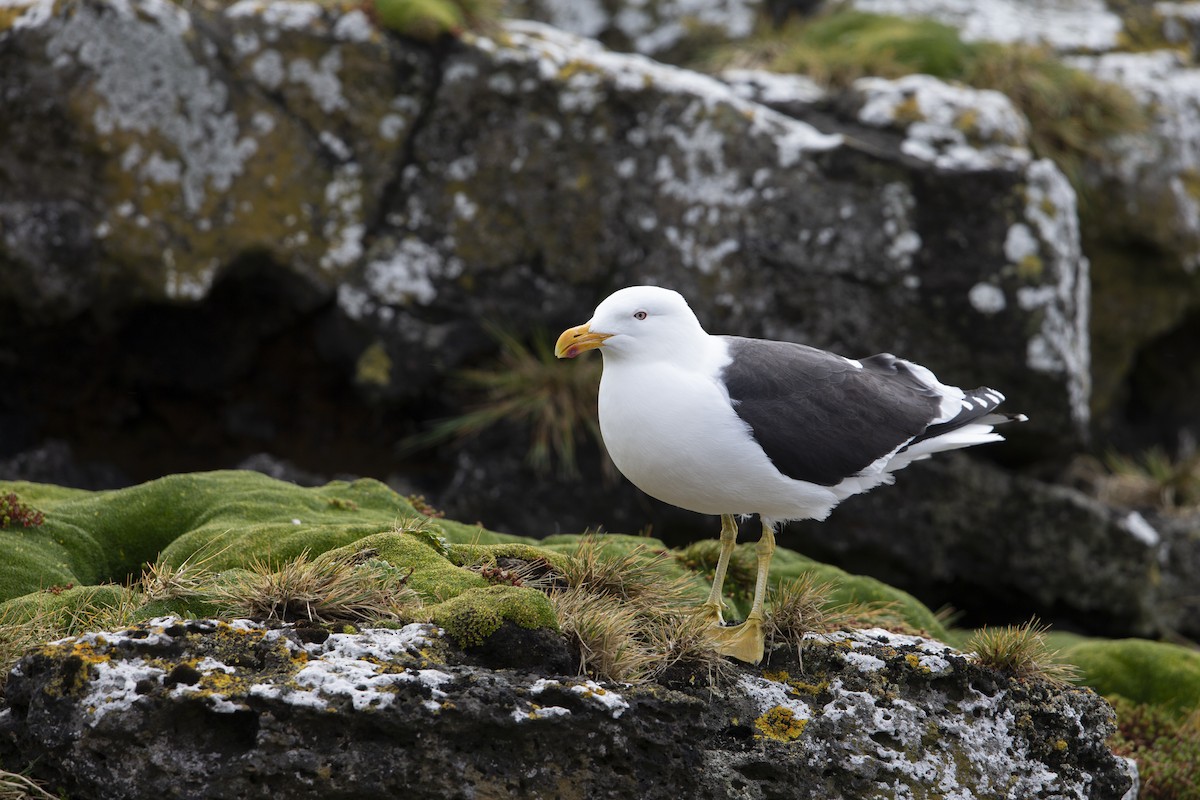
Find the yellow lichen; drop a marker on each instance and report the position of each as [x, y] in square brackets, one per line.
[1030, 267]
[374, 367]
[1060, 745]
[908, 111]
[780, 724]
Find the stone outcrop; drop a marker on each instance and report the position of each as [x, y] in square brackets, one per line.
[211, 709]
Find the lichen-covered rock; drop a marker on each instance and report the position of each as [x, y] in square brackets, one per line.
[659, 28]
[212, 709]
[1069, 25]
[1147, 192]
[516, 177]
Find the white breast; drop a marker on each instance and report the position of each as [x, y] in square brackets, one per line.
[673, 433]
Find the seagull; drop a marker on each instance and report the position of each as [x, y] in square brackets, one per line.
[732, 426]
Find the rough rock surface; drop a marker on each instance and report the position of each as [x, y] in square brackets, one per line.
[211, 709]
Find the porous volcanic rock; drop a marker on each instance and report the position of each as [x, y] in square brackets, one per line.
[207, 709]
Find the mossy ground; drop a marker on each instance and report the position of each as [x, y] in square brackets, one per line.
[78, 569]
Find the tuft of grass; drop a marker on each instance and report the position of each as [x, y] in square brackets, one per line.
[1153, 479]
[325, 589]
[537, 574]
[801, 606]
[628, 621]
[1021, 652]
[14, 786]
[101, 607]
[161, 581]
[429, 20]
[1070, 112]
[1165, 746]
[528, 386]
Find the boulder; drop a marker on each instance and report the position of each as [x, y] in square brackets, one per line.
[203, 708]
[280, 156]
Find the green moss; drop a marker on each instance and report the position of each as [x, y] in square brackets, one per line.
[466, 554]
[472, 616]
[431, 19]
[848, 589]
[229, 519]
[1150, 673]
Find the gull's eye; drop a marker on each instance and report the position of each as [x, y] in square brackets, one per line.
[639, 315]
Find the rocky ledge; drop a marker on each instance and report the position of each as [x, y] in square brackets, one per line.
[204, 708]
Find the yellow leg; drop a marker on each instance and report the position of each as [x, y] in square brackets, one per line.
[712, 607]
[746, 642]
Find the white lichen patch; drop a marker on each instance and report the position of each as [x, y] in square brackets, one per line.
[589, 690]
[1062, 24]
[596, 694]
[282, 14]
[406, 275]
[344, 226]
[149, 83]
[1062, 295]
[987, 298]
[321, 79]
[952, 127]
[381, 643]
[114, 685]
[768, 694]
[903, 240]
[962, 748]
[863, 662]
[761, 86]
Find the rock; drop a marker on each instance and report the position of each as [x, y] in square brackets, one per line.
[366, 173]
[1008, 553]
[661, 28]
[1068, 25]
[211, 709]
[1147, 194]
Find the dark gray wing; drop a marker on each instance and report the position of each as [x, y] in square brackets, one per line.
[820, 418]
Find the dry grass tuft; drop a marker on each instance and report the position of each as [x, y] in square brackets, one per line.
[630, 622]
[193, 578]
[801, 606]
[20, 633]
[1021, 652]
[529, 386]
[538, 574]
[324, 589]
[14, 786]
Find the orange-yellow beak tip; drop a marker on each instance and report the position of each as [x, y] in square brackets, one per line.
[579, 339]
